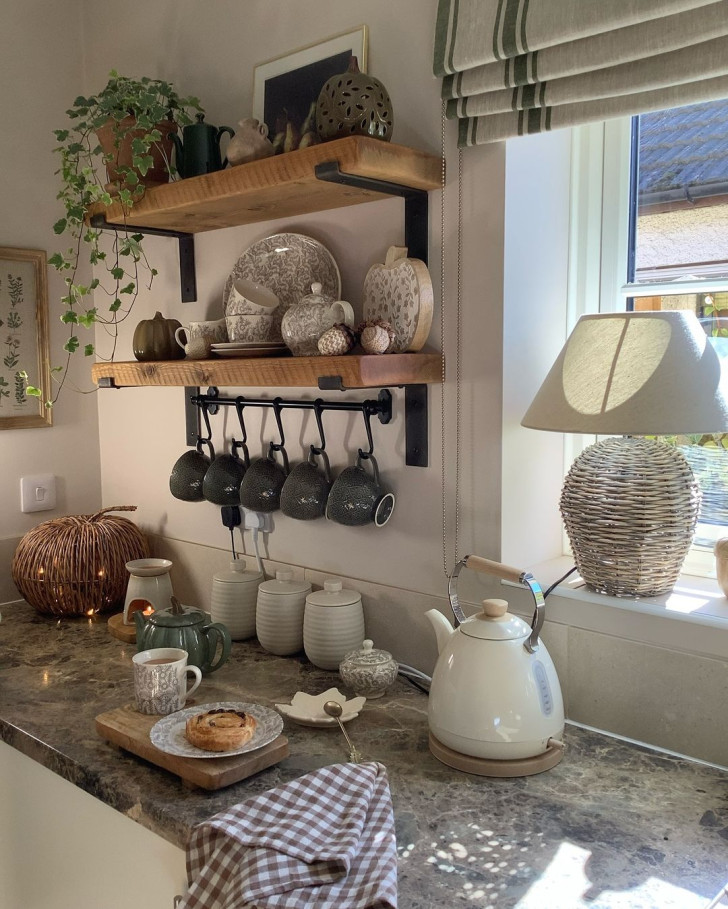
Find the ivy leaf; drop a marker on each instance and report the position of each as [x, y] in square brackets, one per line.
[128, 289]
[56, 260]
[60, 226]
[69, 316]
[32, 391]
[88, 350]
[71, 345]
[117, 272]
[115, 305]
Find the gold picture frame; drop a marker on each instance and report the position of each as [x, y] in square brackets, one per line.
[285, 87]
[24, 342]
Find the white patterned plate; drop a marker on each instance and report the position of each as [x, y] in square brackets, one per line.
[287, 264]
[308, 709]
[242, 345]
[242, 352]
[168, 734]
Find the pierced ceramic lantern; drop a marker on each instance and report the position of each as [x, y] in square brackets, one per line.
[354, 104]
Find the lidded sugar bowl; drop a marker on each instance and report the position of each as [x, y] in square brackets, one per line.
[368, 671]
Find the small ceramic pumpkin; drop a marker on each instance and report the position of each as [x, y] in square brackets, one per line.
[154, 339]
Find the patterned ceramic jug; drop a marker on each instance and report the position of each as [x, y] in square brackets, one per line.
[305, 321]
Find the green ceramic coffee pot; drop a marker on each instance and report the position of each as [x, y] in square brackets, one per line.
[198, 152]
[187, 628]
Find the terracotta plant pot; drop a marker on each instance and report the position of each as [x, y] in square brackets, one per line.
[161, 151]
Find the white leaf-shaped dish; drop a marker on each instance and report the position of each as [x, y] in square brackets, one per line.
[308, 709]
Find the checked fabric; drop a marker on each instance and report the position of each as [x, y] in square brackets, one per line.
[325, 840]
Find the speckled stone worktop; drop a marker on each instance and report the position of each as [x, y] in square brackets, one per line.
[613, 825]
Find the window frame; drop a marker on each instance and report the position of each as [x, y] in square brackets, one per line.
[602, 226]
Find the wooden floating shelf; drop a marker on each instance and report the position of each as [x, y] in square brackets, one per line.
[355, 371]
[281, 186]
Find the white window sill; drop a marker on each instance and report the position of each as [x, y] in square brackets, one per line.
[693, 617]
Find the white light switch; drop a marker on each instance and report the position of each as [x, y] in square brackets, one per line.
[38, 493]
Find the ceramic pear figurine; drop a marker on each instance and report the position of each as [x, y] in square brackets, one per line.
[249, 143]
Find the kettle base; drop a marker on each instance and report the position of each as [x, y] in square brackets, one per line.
[488, 767]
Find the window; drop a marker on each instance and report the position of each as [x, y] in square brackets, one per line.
[650, 231]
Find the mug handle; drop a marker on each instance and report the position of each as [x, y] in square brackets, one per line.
[221, 131]
[219, 633]
[347, 311]
[368, 457]
[176, 336]
[316, 452]
[196, 684]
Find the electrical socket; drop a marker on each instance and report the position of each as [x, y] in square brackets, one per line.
[260, 519]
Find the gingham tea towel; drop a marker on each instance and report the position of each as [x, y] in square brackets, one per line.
[325, 840]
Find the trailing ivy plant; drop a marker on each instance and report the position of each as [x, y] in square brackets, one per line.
[133, 108]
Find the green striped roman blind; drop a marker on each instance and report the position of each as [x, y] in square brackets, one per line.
[514, 67]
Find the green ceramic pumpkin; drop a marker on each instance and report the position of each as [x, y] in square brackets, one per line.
[154, 339]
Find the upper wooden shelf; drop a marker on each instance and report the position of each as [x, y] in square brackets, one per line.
[355, 371]
[279, 187]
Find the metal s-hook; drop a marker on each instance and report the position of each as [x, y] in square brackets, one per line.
[206, 417]
[367, 422]
[318, 407]
[239, 405]
[277, 407]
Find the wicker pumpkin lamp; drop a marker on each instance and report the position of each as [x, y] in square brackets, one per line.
[76, 565]
[631, 504]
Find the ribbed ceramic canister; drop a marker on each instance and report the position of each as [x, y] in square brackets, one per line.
[279, 614]
[333, 624]
[233, 599]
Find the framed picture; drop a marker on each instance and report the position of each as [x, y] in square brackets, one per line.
[286, 89]
[23, 337]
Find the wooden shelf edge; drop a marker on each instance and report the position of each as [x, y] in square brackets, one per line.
[355, 371]
[279, 186]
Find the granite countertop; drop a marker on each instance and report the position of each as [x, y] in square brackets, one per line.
[613, 825]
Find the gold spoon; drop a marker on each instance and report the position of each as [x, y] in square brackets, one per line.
[334, 709]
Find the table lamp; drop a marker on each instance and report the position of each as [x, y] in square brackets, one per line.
[630, 504]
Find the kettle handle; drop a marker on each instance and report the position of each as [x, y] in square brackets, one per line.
[220, 131]
[498, 570]
[220, 633]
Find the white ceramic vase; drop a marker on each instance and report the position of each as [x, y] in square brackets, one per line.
[279, 614]
[233, 599]
[333, 624]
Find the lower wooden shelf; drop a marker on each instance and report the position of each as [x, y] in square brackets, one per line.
[354, 371]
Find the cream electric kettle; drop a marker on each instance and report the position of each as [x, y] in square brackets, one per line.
[495, 697]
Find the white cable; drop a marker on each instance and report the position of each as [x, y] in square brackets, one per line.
[257, 552]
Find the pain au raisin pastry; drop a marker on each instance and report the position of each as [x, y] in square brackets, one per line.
[220, 729]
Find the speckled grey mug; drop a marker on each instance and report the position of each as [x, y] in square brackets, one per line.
[306, 489]
[356, 498]
[188, 473]
[263, 481]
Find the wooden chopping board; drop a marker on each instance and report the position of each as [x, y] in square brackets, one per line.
[129, 729]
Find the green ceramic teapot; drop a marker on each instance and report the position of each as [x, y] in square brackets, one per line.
[187, 628]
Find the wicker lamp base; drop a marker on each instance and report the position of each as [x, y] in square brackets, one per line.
[630, 506]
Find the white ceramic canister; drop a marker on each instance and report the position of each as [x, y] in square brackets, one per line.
[233, 600]
[333, 624]
[279, 613]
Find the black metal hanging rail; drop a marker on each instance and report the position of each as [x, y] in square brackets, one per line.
[187, 270]
[380, 408]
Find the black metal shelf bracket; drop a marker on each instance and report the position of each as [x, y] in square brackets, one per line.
[187, 271]
[416, 204]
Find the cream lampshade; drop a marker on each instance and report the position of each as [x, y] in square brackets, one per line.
[630, 505]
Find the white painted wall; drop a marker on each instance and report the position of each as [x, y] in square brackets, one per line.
[41, 72]
[211, 50]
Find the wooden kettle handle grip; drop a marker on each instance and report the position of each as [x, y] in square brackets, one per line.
[486, 566]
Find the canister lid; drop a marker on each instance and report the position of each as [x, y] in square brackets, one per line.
[333, 594]
[284, 583]
[238, 574]
[367, 655]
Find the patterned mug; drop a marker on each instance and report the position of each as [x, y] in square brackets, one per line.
[160, 680]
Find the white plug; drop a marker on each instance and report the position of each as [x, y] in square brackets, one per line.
[257, 520]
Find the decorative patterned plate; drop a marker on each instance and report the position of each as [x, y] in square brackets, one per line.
[242, 352]
[400, 292]
[308, 709]
[287, 264]
[169, 733]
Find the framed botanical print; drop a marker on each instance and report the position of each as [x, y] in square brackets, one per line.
[286, 89]
[24, 343]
